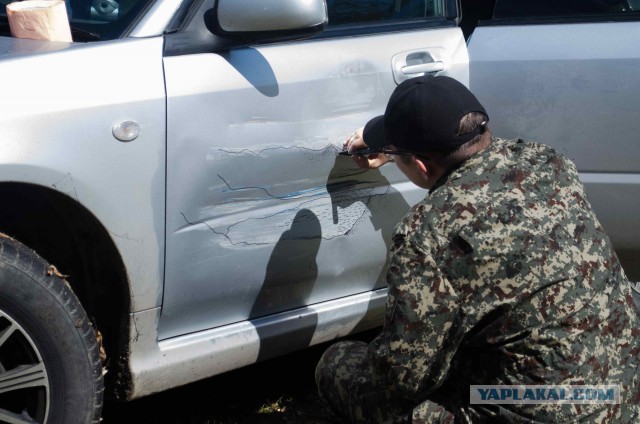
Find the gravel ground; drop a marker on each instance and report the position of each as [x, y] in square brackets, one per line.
[281, 390]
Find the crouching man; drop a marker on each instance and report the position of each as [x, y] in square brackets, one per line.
[502, 275]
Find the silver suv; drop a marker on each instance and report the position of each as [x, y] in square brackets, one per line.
[171, 195]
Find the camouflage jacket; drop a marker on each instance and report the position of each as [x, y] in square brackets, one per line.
[503, 275]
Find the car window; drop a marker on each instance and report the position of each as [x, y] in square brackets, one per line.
[93, 19]
[349, 12]
[510, 9]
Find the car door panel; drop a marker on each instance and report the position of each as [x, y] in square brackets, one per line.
[262, 215]
[572, 86]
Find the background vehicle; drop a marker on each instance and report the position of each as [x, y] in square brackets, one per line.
[177, 166]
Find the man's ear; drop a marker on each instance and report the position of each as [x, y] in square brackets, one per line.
[421, 165]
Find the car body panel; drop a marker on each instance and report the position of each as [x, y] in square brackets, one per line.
[157, 366]
[574, 87]
[57, 133]
[262, 215]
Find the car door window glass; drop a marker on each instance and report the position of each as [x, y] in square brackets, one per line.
[351, 12]
[93, 19]
[509, 9]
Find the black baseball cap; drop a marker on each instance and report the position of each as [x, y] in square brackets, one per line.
[423, 114]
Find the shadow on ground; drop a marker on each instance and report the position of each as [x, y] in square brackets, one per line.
[280, 390]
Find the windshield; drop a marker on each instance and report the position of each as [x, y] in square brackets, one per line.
[93, 19]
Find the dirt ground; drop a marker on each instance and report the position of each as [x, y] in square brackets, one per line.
[280, 390]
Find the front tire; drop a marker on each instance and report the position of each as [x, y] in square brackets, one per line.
[50, 370]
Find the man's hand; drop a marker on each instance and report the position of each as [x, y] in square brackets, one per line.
[355, 142]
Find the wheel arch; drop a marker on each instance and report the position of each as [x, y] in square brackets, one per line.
[69, 236]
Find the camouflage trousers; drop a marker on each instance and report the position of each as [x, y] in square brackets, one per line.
[356, 393]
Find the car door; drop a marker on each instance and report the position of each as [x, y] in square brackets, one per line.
[263, 216]
[565, 74]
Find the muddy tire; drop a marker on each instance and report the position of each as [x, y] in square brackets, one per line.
[50, 370]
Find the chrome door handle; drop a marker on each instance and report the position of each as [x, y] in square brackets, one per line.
[423, 68]
[415, 63]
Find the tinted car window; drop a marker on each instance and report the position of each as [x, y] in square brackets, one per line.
[93, 19]
[345, 12]
[566, 8]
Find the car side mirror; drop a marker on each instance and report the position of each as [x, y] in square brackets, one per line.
[260, 21]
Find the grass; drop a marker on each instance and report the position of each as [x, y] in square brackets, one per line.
[277, 407]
